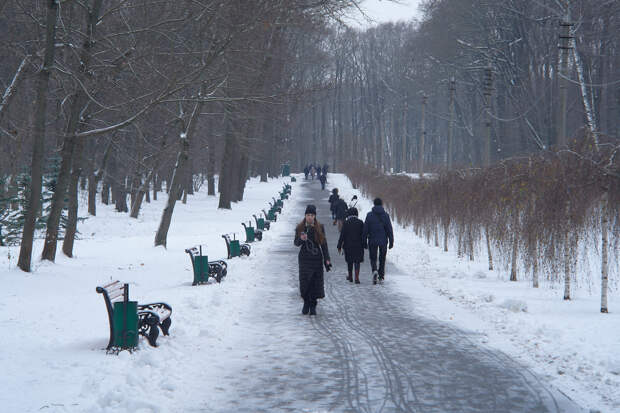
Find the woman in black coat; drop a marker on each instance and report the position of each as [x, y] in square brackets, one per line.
[313, 255]
[351, 240]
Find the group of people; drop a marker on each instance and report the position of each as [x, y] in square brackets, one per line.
[374, 234]
[317, 170]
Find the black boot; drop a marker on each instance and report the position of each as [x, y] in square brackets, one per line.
[357, 276]
[313, 308]
[350, 277]
[306, 308]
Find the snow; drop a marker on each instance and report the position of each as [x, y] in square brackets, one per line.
[54, 325]
[570, 344]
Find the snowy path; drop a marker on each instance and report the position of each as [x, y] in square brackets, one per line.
[365, 351]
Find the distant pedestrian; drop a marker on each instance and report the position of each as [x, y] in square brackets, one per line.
[340, 209]
[323, 180]
[351, 240]
[378, 236]
[325, 168]
[306, 171]
[313, 255]
[332, 200]
[318, 170]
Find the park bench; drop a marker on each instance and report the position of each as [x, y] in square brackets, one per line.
[270, 216]
[261, 223]
[235, 248]
[275, 207]
[203, 268]
[123, 329]
[252, 233]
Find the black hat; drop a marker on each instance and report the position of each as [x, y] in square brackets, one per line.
[377, 202]
[335, 191]
[352, 211]
[311, 209]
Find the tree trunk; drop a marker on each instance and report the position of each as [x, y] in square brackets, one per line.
[42, 83]
[140, 193]
[489, 251]
[175, 187]
[92, 194]
[79, 100]
[71, 230]
[604, 252]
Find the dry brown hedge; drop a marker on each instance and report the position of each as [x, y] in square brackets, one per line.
[544, 203]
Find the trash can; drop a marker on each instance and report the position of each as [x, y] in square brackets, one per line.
[249, 234]
[260, 223]
[126, 324]
[286, 169]
[201, 269]
[235, 248]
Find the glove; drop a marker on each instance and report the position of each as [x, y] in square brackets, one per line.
[391, 245]
[328, 267]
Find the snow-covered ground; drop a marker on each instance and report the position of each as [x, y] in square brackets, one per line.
[54, 325]
[568, 343]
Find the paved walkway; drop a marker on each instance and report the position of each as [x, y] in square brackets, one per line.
[366, 352]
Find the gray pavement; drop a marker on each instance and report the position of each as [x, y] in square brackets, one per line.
[367, 352]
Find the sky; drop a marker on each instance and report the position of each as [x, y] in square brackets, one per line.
[382, 11]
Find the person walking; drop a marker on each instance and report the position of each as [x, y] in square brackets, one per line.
[332, 201]
[340, 210]
[313, 255]
[351, 240]
[306, 171]
[323, 180]
[378, 237]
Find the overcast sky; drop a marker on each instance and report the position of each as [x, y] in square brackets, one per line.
[384, 11]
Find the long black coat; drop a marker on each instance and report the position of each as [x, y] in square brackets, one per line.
[351, 239]
[312, 257]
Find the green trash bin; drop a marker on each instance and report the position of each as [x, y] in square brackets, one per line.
[249, 234]
[260, 223]
[286, 169]
[235, 248]
[126, 324]
[201, 269]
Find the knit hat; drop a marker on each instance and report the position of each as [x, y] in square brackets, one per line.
[335, 191]
[311, 209]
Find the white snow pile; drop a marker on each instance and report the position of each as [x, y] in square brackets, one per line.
[514, 305]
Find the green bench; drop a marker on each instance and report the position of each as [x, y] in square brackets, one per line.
[204, 269]
[261, 223]
[128, 319]
[251, 233]
[235, 248]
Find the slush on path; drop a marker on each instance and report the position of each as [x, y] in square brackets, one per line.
[367, 350]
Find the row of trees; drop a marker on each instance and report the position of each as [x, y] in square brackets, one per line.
[472, 83]
[554, 217]
[130, 95]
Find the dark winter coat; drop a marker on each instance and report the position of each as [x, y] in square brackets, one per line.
[332, 201]
[351, 239]
[340, 209]
[312, 258]
[323, 179]
[378, 228]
